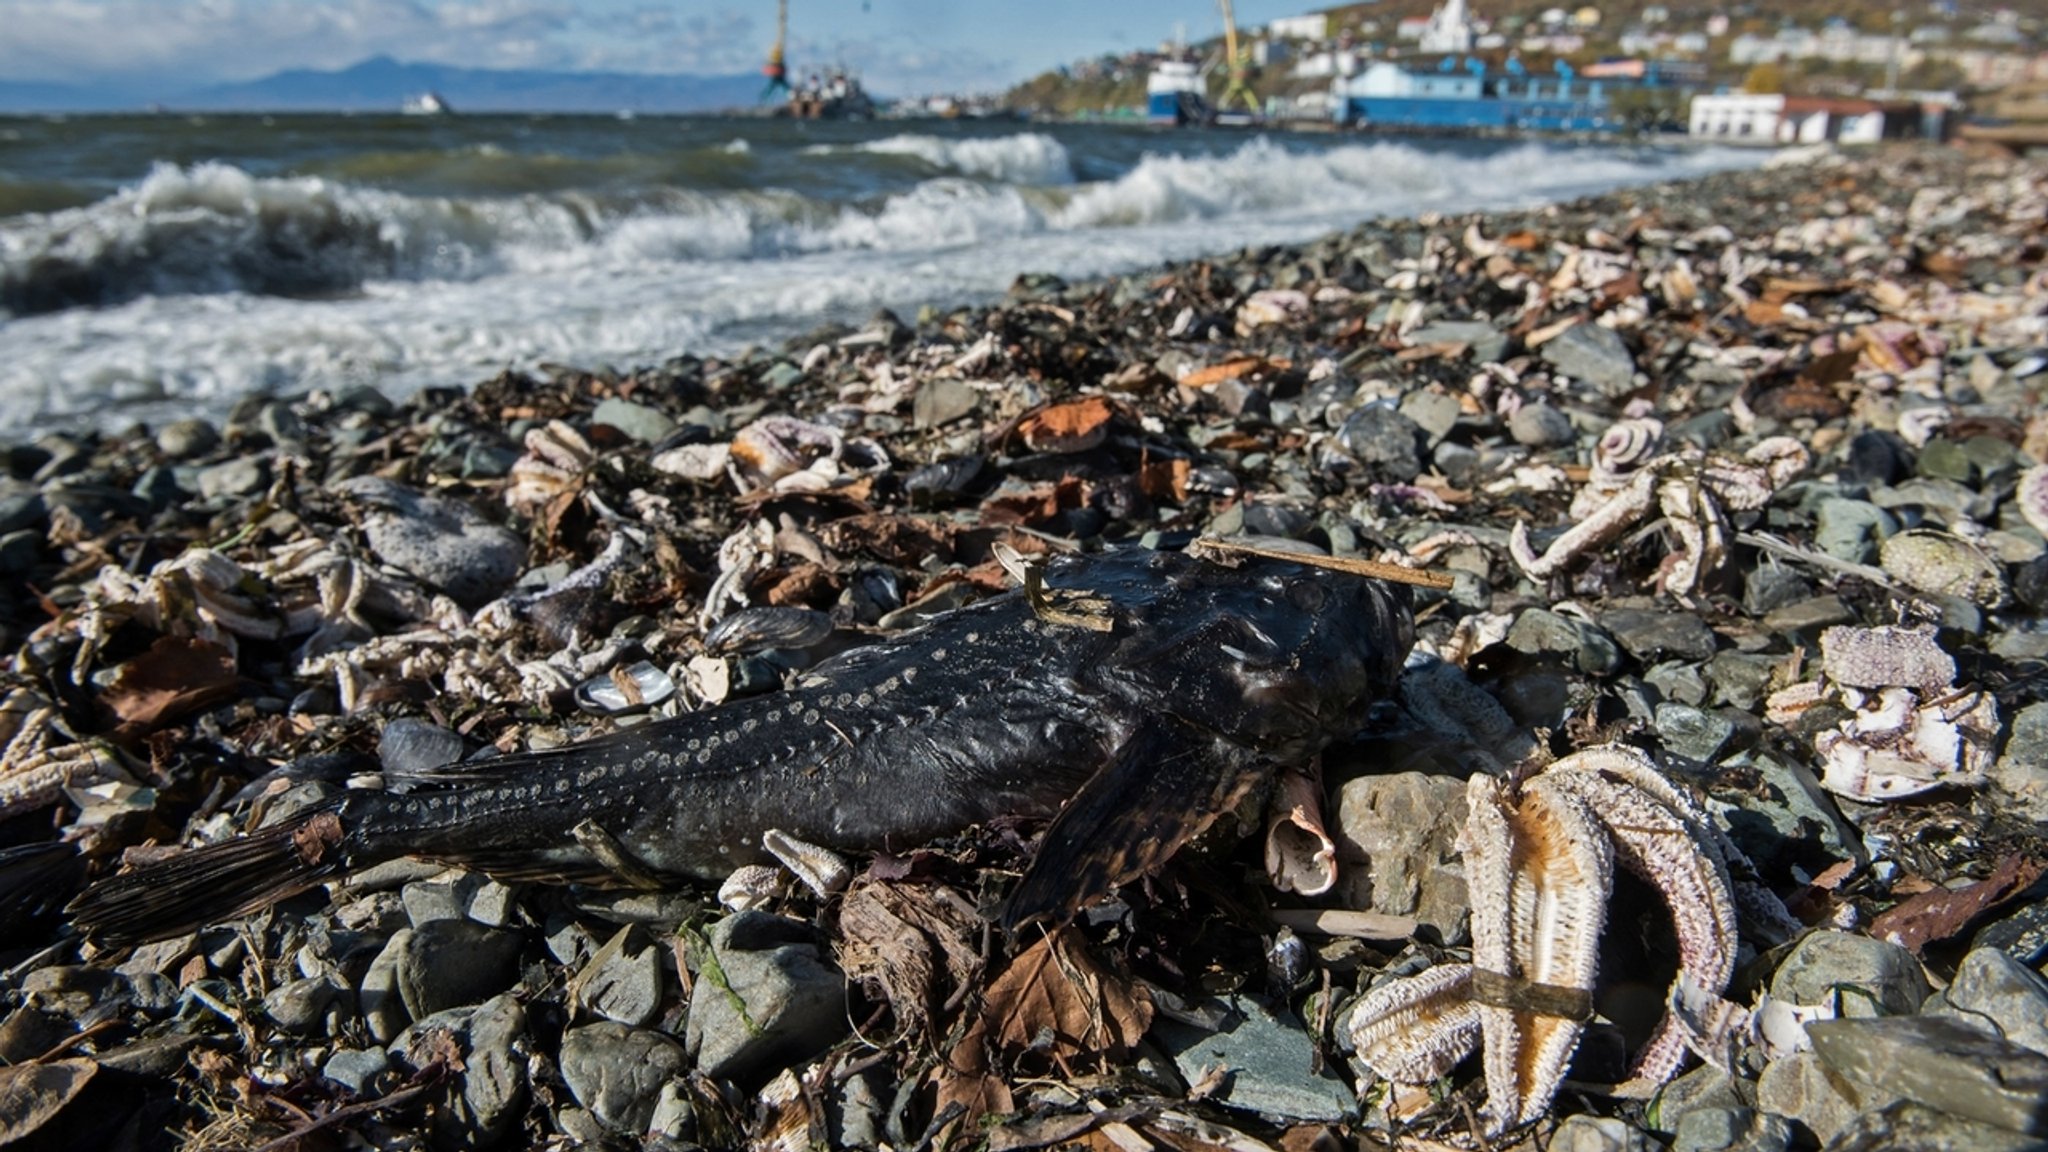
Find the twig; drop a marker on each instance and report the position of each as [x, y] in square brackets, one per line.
[1370, 568]
[1791, 551]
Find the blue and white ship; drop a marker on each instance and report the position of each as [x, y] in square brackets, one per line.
[1466, 95]
[1175, 94]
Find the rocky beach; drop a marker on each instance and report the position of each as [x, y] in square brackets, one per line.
[1736, 490]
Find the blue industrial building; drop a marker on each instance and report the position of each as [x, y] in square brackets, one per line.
[1466, 95]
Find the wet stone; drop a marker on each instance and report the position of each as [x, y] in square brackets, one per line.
[1270, 1062]
[1876, 458]
[636, 422]
[19, 551]
[1653, 636]
[22, 510]
[482, 1102]
[1587, 647]
[1704, 1087]
[1485, 343]
[1731, 1129]
[1806, 618]
[360, 1070]
[1384, 441]
[618, 1072]
[1542, 426]
[1595, 355]
[159, 488]
[302, 1006]
[1693, 732]
[1851, 530]
[1740, 678]
[1944, 459]
[764, 998]
[623, 981]
[1943, 1063]
[1990, 986]
[1862, 976]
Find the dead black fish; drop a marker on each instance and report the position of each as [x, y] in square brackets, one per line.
[1133, 697]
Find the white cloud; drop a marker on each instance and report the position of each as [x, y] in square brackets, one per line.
[206, 40]
[131, 44]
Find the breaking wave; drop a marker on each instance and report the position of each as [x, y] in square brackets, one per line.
[213, 228]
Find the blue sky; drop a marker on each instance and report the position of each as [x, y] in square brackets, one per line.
[900, 46]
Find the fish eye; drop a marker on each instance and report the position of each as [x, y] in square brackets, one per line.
[1307, 595]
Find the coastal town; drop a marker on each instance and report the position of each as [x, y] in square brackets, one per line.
[1932, 71]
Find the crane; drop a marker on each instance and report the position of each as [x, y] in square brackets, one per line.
[776, 70]
[1237, 62]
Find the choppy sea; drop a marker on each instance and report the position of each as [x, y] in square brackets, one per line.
[161, 265]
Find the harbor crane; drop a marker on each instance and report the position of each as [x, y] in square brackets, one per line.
[776, 70]
[1237, 67]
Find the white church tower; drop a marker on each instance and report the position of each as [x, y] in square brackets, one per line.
[1449, 31]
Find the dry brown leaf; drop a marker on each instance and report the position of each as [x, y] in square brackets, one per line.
[963, 1078]
[1055, 998]
[1075, 426]
[175, 676]
[1939, 913]
[1231, 369]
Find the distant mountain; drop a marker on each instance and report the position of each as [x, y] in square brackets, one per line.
[381, 84]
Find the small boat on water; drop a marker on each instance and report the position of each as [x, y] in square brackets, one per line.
[425, 104]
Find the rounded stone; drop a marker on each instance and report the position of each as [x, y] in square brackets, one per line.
[1542, 426]
[618, 1072]
[1860, 975]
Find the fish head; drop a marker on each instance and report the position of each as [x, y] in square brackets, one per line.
[1274, 655]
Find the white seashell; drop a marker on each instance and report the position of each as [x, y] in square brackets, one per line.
[1625, 447]
[1269, 307]
[638, 686]
[1918, 425]
[1300, 856]
[1885, 657]
[694, 461]
[822, 870]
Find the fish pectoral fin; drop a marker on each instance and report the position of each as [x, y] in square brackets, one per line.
[1165, 785]
[615, 857]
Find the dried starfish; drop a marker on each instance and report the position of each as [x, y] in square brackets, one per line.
[1540, 864]
[1694, 490]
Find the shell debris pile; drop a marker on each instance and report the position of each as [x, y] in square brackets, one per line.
[1725, 748]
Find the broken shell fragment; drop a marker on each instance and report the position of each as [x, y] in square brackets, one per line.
[822, 870]
[1300, 856]
[632, 688]
[1897, 745]
[1625, 446]
[753, 886]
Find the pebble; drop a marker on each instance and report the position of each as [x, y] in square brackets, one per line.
[1731, 1129]
[942, 400]
[1800, 1087]
[1851, 530]
[1912, 1128]
[1542, 426]
[622, 981]
[1992, 987]
[2021, 770]
[360, 1070]
[1694, 733]
[443, 542]
[618, 1072]
[1650, 636]
[764, 998]
[441, 964]
[481, 1104]
[185, 439]
[1597, 1134]
[1594, 354]
[410, 745]
[1269, 1061]
[1396, 835]
[636, 422]
[1590, 649]
[1859, 975]
[1942, 1063]
[240, 476]
[1387, 443]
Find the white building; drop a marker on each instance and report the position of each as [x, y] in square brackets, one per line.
[1315, 26]
[1738, 116]
[1743, 117]
[1449, 31]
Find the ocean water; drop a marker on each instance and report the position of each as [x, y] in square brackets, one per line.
[160, 266]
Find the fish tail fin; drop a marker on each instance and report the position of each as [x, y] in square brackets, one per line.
[203, 886]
